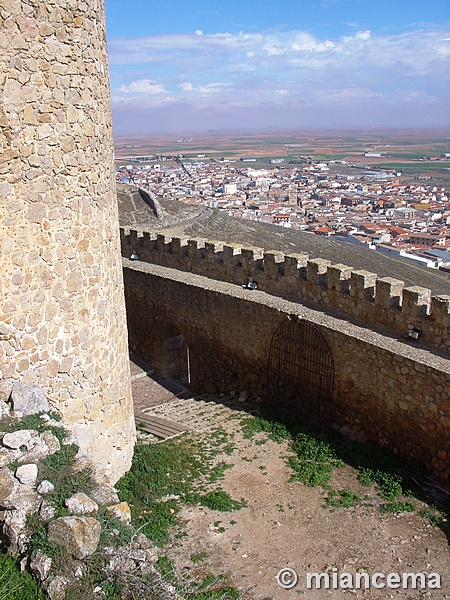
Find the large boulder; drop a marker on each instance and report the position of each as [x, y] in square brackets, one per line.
[22, 438]
[78, 535]
[29, 399]
[28, 445]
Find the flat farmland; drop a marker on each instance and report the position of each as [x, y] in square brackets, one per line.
[411, 151]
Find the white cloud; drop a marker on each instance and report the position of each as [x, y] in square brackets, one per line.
[289, 68]
[143, 86]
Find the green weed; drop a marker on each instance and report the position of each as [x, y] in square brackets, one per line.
[314, 460]
[398, 507]
[216, 500]
[218, 472]
[253, 425]
[198, 558]
[341, 499]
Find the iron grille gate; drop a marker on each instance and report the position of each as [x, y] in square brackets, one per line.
[301, 371]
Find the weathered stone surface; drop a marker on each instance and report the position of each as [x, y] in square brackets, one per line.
[56, 587]
[41, 564]
[120, 511]
[45, 487]
[78, 535]
[19, 438]
[46, 511]
[143, 542]
[33, 446]
[29, 399]
[51, 442]
[4, 409]
[14, 528]
[8, 456]
[7, 485]
[27, 474]
[63, 332]
[81, 504]
[104, 494]
[6, 385]
[15, 495]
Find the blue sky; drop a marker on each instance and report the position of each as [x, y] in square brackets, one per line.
[205, 64]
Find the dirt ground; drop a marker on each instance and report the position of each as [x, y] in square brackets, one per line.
[285, 525]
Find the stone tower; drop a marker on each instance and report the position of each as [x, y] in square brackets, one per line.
[62, 313]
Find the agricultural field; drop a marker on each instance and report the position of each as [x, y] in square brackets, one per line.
[413, 152]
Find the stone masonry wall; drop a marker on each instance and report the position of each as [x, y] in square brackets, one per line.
[386, 390]
[62, 313]
[358, 294]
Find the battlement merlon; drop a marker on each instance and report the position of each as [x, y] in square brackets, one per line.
[361, 294]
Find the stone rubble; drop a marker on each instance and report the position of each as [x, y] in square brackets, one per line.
[23, 493]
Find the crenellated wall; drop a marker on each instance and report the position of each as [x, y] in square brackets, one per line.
[386, 390]
[62, 312]
[384, 302]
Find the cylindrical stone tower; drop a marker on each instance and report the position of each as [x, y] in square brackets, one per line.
[62, 311]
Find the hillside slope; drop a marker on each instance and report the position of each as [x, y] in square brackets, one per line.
[181, 219]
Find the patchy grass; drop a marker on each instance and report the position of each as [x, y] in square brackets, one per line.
[198, 558]
[15, 585]
[341, 499]
[314, 460]
[166, 475]
[315, 455]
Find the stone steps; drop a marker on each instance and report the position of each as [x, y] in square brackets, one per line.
[193, 414]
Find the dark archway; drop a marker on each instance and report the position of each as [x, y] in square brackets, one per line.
[301, 372]
[172, 356]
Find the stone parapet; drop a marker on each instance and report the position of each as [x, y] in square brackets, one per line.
[409, 312]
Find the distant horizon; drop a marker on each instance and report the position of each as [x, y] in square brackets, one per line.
[331, 64]
[441, 129]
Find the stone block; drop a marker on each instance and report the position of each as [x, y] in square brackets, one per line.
[362, 285]
[388, 293]
[316, 271]
[120, 511]
[416, 302]
[81, 504]
[29, 399]
[338, 276]
[440, 310]
[78, 535]
[273, 263]
[27, 474]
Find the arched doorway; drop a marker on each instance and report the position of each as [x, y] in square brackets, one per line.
[301, 371]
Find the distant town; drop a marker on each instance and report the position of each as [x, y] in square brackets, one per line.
[348, 200]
